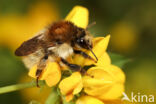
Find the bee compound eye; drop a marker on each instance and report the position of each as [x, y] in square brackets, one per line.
[82, 40]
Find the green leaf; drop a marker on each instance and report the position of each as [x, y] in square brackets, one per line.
[118, 59]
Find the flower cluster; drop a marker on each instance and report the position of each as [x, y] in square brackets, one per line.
[102, 81]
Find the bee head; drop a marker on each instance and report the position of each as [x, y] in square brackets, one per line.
[84, 40]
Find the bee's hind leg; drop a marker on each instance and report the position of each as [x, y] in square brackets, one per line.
[38, 74]
[40, 67]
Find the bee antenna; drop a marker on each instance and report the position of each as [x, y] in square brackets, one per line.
[90, 25]
[93, 53]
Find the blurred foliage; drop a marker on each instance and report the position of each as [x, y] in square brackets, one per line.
[131, 24]
[34, 102]
[118, 59]
[11, 69]
[16, 28]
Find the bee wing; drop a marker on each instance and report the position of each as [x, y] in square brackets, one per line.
[29, 46]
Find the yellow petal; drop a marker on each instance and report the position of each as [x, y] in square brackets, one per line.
[104, 60]
[88, 100]
[79, 16]
[113, 93]
[118, 88]
[70, 83]
[116, 73]
[87, 80]
[106, 83]
[117, 101]
[51, 74]
[99, 47]
[78, 88]
[97, 83]
[69, 97]
[32, 72]
[78, 59]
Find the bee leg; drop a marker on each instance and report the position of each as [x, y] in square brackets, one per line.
[38, 73]
[85, 55]
[73, 67]
[40, 67]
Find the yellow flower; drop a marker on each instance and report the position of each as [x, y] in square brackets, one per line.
[85, 99]
[106, 83]
[79, 16]
[88, 100]
[52, 72]
[103, 81]
[71, 85]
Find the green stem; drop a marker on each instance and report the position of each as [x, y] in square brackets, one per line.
[16, 87]
[53, 97]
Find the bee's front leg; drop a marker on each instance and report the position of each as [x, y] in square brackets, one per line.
[85, 55]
